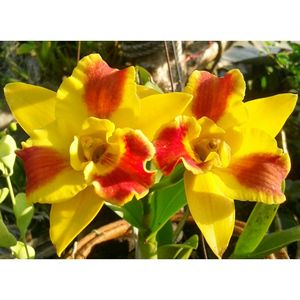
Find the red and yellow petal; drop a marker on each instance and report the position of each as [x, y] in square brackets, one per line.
[69, 218]
[212, 210]
[95, 89]
[49, 176]
[121, 171]
[32, 106]
[256, 177]
[256, 170]
[213, 96]
[173, 145]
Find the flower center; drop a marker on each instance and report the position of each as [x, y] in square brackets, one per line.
[92, 148]
[214, 151]
[203, 147]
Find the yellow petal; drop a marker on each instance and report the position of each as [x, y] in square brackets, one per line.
[270, 114]
[68, 219]
[32, 106]
[143, 91]
[212, 211]
[160, 109]
[51, 136]
[250, 140]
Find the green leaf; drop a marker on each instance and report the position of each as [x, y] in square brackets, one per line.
[255, 229]
[7, 152]
[6, 238]
[23, 212]
[26, 48]
[275, 241]
[143, 75]
[3, 194]
[19, 251]
[145, 78]
[179, 251]
[165, 234]
[132, 212]
[165, 203]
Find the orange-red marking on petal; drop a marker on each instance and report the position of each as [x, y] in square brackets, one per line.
[211, 95]
[170, 148]
[262, 172]
[41, 165]
[130, 176]
[103, 89]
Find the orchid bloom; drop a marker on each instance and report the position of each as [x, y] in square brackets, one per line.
[89, 142]
[228, 149]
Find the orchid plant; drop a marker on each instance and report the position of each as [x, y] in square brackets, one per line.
[102, 139]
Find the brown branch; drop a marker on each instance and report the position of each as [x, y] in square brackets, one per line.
[102, 234]
[78, 50]
[169, 66]
[122, 228]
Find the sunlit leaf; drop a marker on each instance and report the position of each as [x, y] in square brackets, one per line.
[23, 212]
[179, 251]
[256, 227]
[132, 212]
[143, 75]
[6, 238]
[3, 194]
[19, 251]
[7, 152]
[275, 241]
[166, 203]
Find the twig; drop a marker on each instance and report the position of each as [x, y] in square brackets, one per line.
[283, 141]
[169, 66]
[203, 246]
[102, 234]
[181, 223]
[78, 50]
[178, 67]
[218, 57]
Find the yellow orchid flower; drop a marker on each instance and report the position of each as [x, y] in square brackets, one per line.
[89, 142]
[228, 149]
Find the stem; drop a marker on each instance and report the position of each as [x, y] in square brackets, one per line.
[146, 247]
[11, 191]
[181, 223]
[13, 200]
